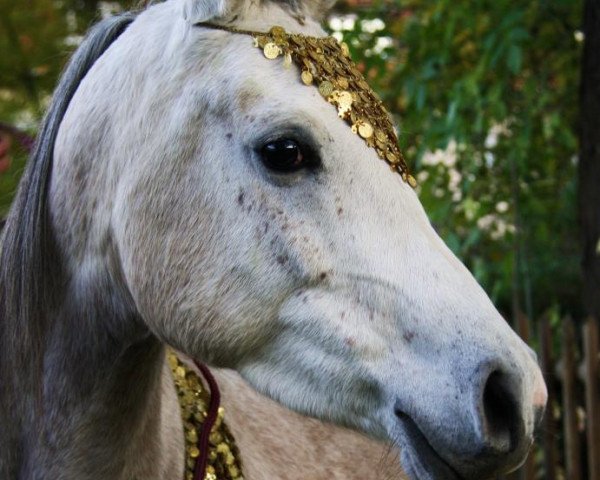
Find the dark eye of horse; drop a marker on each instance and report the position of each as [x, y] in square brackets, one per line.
[283, 156]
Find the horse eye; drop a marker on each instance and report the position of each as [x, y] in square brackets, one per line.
[283, 156]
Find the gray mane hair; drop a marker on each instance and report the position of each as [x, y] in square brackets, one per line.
[29, 266]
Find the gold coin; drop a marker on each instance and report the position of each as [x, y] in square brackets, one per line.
[215, 438]
[345, 49]
[222, 448]
[380, 135]
[326, 88]
[172, 361]
[412, 181]
[307, 77]
[342, 82]
[344, 98]
[308, 64]
[271, 51]
[365, 130]
[391, 158]
[192, 436]
[327, 67]
[277, 31]
[364, 97]
[344, 111]
[262, 40]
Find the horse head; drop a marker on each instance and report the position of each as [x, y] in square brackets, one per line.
[226, 205]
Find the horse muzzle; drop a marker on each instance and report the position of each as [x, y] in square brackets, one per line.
[493, 435]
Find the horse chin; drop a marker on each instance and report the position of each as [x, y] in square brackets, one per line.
[419, 459]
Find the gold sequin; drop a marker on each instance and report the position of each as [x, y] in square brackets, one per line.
[223, 456]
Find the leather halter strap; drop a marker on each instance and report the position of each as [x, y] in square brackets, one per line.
[211, 418]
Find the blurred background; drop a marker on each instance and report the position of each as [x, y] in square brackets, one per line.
[498, 109]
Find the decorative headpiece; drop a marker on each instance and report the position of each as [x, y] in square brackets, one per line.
[325, 63]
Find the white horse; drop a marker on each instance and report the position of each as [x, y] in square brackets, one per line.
[187, 192]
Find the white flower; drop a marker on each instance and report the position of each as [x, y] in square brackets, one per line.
[502, 207]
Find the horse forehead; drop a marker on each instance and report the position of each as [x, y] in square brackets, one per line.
[248, 96]
[243, 84]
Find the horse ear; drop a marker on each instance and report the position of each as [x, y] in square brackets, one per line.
[196, 11]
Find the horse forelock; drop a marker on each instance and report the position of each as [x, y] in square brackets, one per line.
[27, 254]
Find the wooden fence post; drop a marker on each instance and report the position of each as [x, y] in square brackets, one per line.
[569, 387]
[549, 430]
[592, 395]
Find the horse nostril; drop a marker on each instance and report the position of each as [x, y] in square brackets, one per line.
[501, 416]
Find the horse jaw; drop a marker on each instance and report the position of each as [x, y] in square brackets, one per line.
[328, 290]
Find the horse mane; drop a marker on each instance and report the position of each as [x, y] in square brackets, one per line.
[28, 259]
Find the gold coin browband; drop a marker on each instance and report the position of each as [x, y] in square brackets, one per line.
[325, 63]
[223, 456]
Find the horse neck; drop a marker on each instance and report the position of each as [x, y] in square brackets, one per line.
[109, 408]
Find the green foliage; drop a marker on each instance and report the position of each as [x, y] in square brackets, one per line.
[484, 92]
[36, 39]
